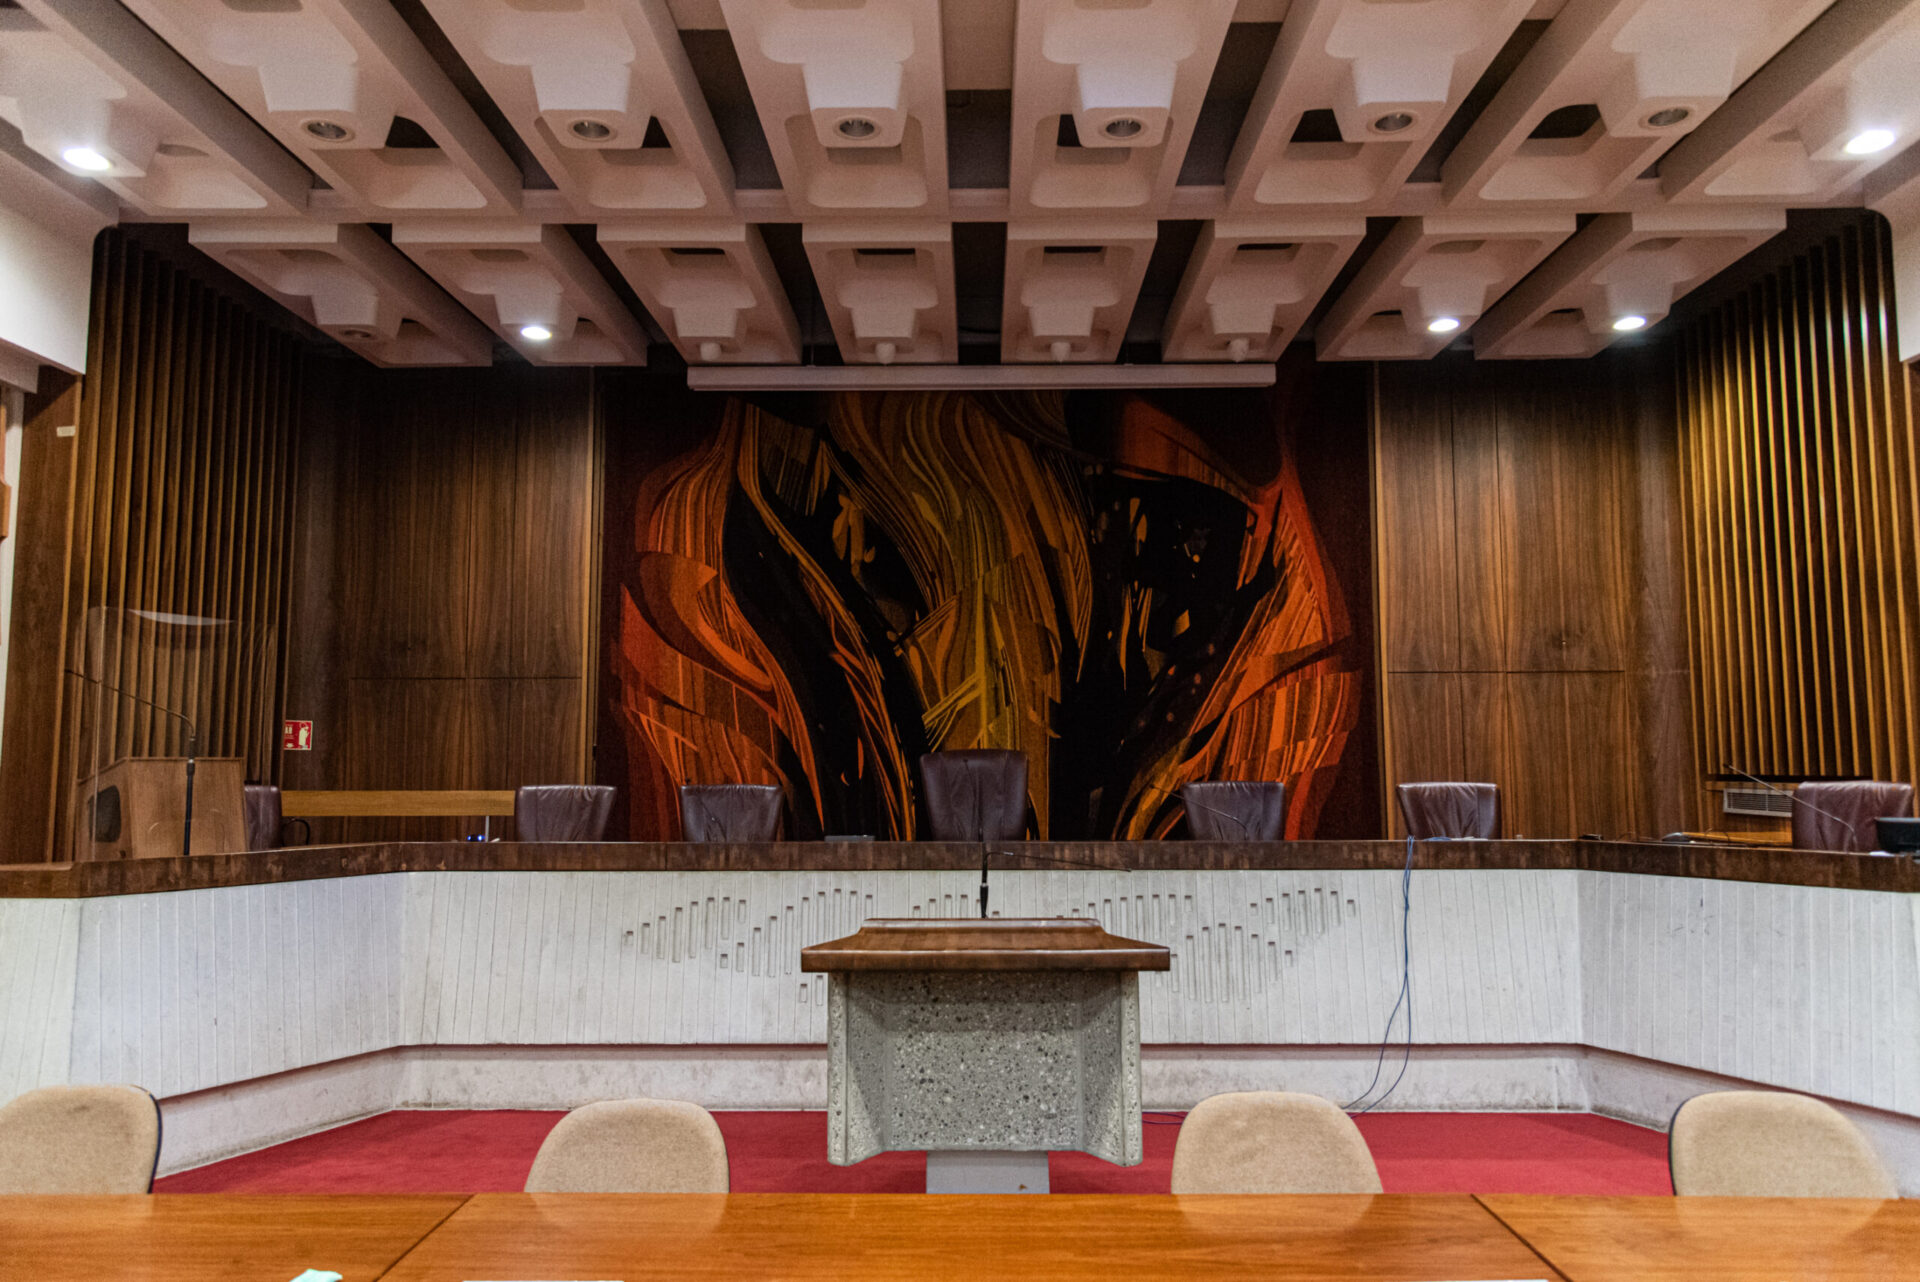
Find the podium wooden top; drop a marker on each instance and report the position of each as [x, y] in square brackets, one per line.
[996, 943]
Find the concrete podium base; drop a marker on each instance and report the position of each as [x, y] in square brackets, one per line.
[986, 1171]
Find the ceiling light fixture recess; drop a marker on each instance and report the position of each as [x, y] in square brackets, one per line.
[1869, 141]
[1669, 117]
[535, 333]
[1393, 122]
[591, 130]
[1627, 324]
[856, 128]
[328, 130]
[1122, 127]
[86, 158]
[1443, 325]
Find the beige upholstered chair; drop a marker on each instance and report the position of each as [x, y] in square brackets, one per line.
[80, 1139]
[1271, 1142]
[1770, 1144]
[632, 1146]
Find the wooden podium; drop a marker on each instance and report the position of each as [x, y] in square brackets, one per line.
[134, 809]
[988, 1043]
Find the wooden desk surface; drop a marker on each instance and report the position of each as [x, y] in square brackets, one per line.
[188, 1238]
[394, 803]
[968, 943]
[1592, 1239]
[919, 1237]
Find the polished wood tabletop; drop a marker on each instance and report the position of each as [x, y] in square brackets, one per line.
[972, 943]
[1595, 1239]
[194, 1238]
[887, 1236]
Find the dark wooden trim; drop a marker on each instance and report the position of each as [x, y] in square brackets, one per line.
[309, 863]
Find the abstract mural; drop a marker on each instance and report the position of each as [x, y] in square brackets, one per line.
[1129, 588]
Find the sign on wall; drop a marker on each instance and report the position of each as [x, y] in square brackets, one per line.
[296, 736]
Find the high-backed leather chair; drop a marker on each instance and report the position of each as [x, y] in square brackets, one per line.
[1271, 1142]
[1771, 1144]
[266, 825]
[1235, 810]
[1839, 816]
[562, 812]
[729, 811]
[977, 794]
[80, 1139]
[632, 1146]
[1452, 810]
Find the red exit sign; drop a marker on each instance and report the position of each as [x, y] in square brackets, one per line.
[296, 736]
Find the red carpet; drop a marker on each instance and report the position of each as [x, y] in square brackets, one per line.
[481, 1152]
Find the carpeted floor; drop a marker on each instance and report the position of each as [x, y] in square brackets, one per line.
[478, 1152]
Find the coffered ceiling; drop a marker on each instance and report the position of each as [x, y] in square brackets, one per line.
[1019, 182]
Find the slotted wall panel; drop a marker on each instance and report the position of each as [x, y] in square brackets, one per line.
[1797, 430]
[183, 483]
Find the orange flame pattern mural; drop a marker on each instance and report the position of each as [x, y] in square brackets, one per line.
[815, 599]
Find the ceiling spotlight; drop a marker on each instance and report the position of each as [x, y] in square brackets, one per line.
[591, 130]
[1669, 117]
[1122, 127]
[86, 158]
[856, 127]
[1626, 324]
[1443, 325]
[1868, 141]
[327, 130]
[357, 335]
[1393, 122]
[535, 333]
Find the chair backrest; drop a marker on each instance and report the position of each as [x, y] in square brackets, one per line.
[1451, 809]
[729, 811]
[262, 805]
[978, 794]
[1770, 1144]
[1271, 1142]
[632, 1146]
[1850, 809]
[1235, 810]
[80, 1139]
[562, 812]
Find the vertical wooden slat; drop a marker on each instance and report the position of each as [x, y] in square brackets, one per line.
[1803, 499]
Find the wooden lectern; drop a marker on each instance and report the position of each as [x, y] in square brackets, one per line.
[987, 1043]
[135, 807]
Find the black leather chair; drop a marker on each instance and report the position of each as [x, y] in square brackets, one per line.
[562, 812]
[729, 811]
[1235, 810]
[1839, 816]
[266, 827]
[1453, 810]
[978, 794]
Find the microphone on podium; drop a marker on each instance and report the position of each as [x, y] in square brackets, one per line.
[1730, 769]
[193, 746]
[987, 852]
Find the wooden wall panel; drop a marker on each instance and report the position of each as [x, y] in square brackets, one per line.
[1547, 485]
[1803, 510]
[179, 501]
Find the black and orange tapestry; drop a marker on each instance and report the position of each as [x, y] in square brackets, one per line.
[1129, 588]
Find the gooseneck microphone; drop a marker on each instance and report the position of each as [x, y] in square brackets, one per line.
[1728, 768]
[193, 746]
[987, 852]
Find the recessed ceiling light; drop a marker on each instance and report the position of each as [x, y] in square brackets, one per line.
[856, 127]
[1393, 122]
[1443, 325]
[1122, 127]
[357, 335]
[535, 333]
[1669, 117]
[86, 158]
[591, 130]
[1626, 323]
[327, 130]
[1868, 141]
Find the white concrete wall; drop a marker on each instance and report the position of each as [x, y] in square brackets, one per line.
[260, 1012]
[46, 288]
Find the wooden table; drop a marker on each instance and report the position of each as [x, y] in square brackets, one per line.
[408, 803]
[1590, 1239]
[911, 1236]
[188, 1238]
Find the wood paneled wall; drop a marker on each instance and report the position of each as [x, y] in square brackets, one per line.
[1803, 506]
[1528, 586]
[178, 494]
[449, 555]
